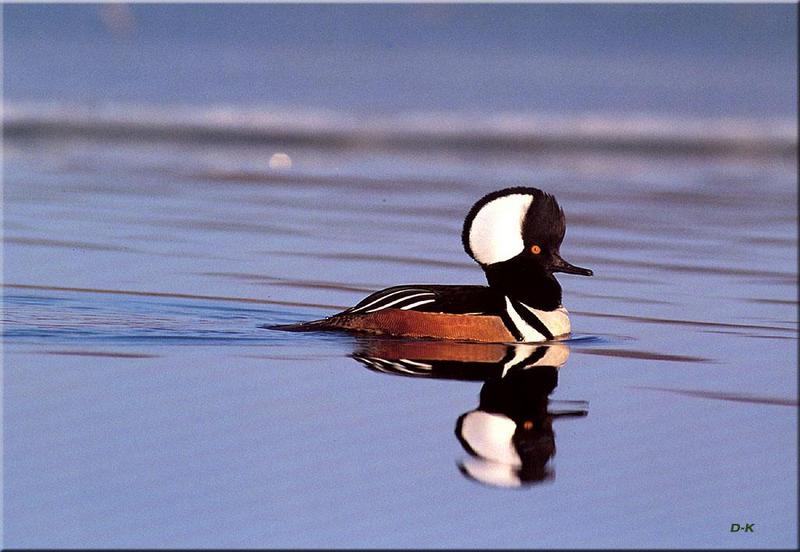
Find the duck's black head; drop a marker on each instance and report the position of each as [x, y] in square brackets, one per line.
[515, 235]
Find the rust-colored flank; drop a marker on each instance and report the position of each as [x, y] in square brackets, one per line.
[409, 323]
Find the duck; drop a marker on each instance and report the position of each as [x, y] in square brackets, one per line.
[514, 235]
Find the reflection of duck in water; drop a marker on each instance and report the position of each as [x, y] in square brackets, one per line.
[510, 435]
[515, 235]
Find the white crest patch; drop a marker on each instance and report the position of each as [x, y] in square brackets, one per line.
[495, 234]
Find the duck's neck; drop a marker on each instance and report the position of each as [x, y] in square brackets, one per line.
[525, 282]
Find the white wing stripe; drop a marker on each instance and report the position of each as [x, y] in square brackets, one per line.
[418, 303]
[382, 297]
[390, 303]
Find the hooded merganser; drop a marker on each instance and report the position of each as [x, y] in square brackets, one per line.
[514, 234]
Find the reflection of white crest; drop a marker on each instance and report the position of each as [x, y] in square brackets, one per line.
[495, 234]
[489, 435]
[491, 473]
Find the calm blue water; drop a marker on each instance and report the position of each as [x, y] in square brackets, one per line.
[147, 238]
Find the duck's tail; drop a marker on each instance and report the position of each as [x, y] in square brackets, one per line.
[311, 326]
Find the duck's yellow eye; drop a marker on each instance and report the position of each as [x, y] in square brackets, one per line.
[535, 249]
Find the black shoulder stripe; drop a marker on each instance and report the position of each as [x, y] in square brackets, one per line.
[510, 326]
[532, 320]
